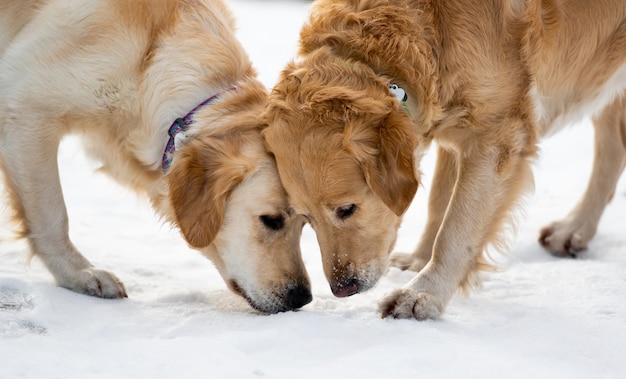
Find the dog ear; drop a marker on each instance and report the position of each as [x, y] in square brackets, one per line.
[202, 176]
[385, 152]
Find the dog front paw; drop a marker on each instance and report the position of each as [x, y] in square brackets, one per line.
[408, 303]
[95, 282]
[405, 261]
[564, 239]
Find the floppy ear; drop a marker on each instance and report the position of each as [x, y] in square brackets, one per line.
[200, 181]
[385, 151]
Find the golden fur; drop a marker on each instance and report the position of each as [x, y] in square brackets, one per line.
[118, 73]
[485, 80]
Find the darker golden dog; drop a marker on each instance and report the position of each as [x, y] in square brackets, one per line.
[167, 100]
[376, 81]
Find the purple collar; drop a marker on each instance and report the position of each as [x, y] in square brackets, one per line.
[177, 130]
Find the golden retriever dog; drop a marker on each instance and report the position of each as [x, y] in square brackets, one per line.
[167, 100]
[376, 81]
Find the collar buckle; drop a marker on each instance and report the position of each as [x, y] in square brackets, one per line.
[176, 131]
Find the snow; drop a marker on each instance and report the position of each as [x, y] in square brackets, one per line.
[539, 316]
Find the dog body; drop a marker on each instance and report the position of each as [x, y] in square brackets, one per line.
[377, 81]
[119, 73]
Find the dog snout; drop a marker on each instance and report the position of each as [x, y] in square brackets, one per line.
[346, 287]
[297, 297]
[282, 298]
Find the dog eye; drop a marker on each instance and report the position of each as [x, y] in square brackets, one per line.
[276, 222]
[345, 211]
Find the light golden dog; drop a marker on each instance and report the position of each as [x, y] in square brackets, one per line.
[376, 81]
[124, 74]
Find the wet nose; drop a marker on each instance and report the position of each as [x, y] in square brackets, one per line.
[298, 296]
[345, 289]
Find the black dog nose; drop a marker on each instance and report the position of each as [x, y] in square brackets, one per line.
[348, 288]
[298, 296]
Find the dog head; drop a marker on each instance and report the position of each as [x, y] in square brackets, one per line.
[228, 201]
[345, 153]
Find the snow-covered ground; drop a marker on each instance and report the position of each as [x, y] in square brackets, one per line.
[539, 317]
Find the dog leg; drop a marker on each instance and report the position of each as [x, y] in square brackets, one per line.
[572, 234]
[441, 191]
[30, 163]
[487, 187]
